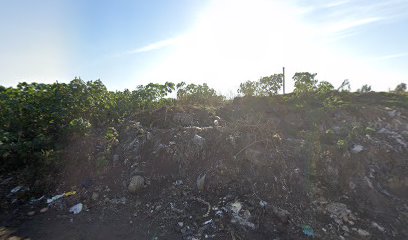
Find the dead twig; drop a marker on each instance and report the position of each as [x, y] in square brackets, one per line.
[258, 141]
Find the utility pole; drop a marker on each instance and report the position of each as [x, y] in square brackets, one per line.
[283, 80]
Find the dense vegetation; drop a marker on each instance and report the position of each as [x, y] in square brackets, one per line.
[36, 120]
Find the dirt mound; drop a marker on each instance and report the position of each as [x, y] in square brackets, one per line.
[257, 168]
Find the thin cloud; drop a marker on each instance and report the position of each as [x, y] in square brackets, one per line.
[155, 45]
[392, 56]
[347, 25]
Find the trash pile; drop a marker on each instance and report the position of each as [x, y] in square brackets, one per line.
[240, 174]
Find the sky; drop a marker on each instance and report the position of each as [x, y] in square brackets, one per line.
[218, 42]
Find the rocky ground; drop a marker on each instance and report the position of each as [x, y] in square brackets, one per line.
[257, 168]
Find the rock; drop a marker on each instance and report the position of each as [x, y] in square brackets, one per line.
[184, 119]
[216, 123]
[345, 228]
[282, 214]
[43, 210]
[95, 196]
[357, 148]
[374, 224]
[31, 213]
[201, 182]
[136, 184]
[393, 113]
[340, 213]
[198, 140]
[363, 233]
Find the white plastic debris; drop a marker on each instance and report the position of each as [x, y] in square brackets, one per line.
[357, 148]
[76, 208]
[236, 207]
[16, 189]
[56, 197]
[262, 203]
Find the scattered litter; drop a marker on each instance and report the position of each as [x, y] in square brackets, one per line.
[76, 208]
[357, 148]
[56, 197]
[121, 200]
[35, 200]
[67, 194]
[16, 189]
[236, 207]
[308, 231]
[208, 222]
[178, 182]
[263, 204]
[240, 218]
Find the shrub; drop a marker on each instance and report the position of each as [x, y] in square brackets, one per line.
[198, 94]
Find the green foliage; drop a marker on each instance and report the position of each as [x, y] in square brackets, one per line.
[305, 82]
[249, 88]
[271, 85]
[112, 136]
[36, 120]
[364, 89]
[198, 94]
[324, 88]
[265, 86]
[342, 145]
[80, 126]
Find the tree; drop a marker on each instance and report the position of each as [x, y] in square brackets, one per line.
[364, 89]
[400, 88]
[248, 88]
[198, 94]
[324, 87]
[271, 85]
[345, 86]
[265, 86]
[305, 82]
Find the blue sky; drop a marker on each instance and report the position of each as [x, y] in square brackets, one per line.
[221, 42]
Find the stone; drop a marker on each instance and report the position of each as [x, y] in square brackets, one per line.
[201, 182]
[43, 210]
[198, 140]
[136, 184]
[31, 213]
[95, 196]
[374, 224]
[282, 214]
[363, 233]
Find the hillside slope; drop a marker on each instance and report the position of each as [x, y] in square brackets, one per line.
[255, 168]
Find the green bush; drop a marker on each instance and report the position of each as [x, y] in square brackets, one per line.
[198, 94]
